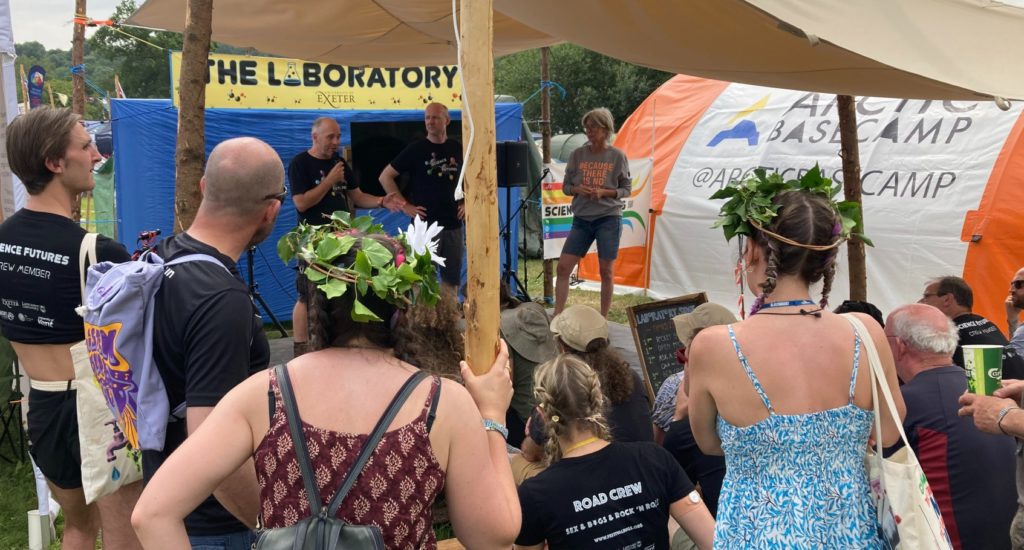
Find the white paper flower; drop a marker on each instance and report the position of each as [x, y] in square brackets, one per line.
[420, 237]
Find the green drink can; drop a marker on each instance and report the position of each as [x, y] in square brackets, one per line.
[984, 366]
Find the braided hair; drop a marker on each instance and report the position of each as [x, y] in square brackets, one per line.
[806, 218]
[569, 393]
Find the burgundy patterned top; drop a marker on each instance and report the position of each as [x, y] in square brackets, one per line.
[395, 491]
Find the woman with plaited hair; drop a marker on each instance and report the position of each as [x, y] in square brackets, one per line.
[785, 395]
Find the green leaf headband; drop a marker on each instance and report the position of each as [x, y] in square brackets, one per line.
[398, 278]
[750, 205]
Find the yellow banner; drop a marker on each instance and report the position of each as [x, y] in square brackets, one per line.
[249, 82]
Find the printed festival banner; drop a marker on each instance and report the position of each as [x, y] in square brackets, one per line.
[250, 82]
[36, 78]
[557, 213]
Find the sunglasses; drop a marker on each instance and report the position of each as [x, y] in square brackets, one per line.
[279, 196]
[1018, 284]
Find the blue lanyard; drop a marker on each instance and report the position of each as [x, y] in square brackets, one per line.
[789, 303]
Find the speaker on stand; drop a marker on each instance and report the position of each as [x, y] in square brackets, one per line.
[513, 171]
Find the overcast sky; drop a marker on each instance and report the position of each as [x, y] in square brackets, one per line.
[49, 21]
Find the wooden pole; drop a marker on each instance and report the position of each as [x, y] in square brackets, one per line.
[476, 29]
[24, 87]
[857, 261]
[77, 58]
[50, 89]
[191, 146]
[545, 147]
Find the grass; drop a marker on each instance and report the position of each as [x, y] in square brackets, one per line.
[534, 280]
[18, 486]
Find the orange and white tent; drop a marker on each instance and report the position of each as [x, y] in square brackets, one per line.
[943, 182]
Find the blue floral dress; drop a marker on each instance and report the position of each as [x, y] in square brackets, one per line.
[797, 481]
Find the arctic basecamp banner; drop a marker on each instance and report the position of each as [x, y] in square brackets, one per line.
[557, 212]
[241, 82]
[943, 182]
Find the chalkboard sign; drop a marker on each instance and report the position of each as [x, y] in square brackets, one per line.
[655, 336]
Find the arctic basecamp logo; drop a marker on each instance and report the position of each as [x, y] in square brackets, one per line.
[745, 129]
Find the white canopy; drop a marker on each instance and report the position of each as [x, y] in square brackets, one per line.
[928, 49]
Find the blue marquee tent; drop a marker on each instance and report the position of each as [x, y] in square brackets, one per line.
[144, 141]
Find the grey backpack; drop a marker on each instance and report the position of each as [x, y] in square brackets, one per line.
[118, 315]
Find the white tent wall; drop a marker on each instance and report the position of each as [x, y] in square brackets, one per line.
[924, 165]
[12, 193]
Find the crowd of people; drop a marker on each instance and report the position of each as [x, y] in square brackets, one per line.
[758, 441]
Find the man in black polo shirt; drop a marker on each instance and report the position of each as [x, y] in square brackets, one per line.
[207, 334]
[970, 472]
[434, 163]
[321, 183]
[954, 297]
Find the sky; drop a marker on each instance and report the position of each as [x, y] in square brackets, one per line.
[49, 21]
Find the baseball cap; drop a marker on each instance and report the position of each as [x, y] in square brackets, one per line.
[703, 316]
[579, 325]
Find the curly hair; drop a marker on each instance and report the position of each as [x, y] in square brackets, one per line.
[569, 393]
[806, 218]
[614, 371]
[429, 336]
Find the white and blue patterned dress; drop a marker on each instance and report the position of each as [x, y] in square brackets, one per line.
[797, 481]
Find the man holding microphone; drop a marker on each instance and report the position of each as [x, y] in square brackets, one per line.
[321, 183]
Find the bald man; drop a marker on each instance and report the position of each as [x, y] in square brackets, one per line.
[971, 473]
[207, 334]
[321, 184]
[434, 164]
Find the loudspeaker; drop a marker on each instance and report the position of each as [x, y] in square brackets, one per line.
[513, 161]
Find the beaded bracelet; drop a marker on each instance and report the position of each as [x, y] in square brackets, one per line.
[1002, 414]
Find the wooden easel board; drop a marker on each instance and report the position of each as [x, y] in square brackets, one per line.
[655, 336]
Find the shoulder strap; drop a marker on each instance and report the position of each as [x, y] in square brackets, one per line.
[195, 258]
[878, 381]
[373, 440]
[291, 412]
[750, 372]
[87, 251]
[436, 396]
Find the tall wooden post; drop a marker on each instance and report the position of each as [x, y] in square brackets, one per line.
[857, 261]
[191, 146]
[545, 147]
[77, 58]
[476, 29]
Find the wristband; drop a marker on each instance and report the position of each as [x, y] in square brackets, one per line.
[1002, 414]
[493, 426]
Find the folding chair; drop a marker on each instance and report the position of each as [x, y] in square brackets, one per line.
[12, 434]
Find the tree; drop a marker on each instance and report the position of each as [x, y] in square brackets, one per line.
[589, 78]
[57, 64]
[143, 68]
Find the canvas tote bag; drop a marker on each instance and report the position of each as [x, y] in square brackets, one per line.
[107, 462]
[908, 515]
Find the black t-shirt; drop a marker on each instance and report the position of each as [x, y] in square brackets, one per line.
[305, 172]
[977, 330]
[435, 175]
[40, 284]
[617, 497]
[207, 338]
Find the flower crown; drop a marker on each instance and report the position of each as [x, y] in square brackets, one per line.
[750, 206]
[398, 278]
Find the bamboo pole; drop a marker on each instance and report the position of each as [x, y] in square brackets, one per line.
[476, 30]
[77, 58]
[191, 147]
[545, 147]
[850, 147]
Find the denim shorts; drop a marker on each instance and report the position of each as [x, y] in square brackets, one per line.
[242, 540]
[605, 230]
